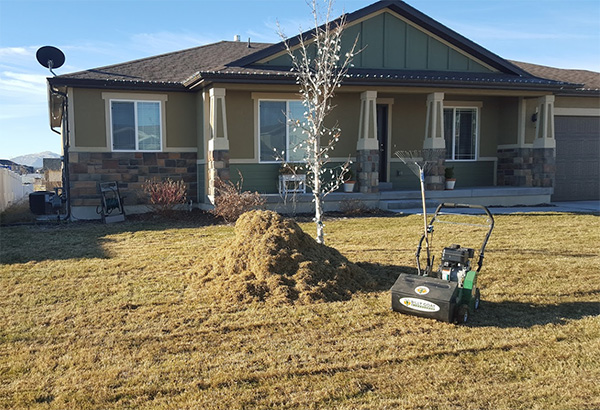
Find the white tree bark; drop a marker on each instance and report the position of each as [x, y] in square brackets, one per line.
[319, 70]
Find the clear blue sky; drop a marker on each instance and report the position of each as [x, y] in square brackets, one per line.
[94, 33]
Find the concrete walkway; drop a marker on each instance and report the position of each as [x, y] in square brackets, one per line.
[587, 207]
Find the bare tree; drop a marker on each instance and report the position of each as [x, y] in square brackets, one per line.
[319, 70]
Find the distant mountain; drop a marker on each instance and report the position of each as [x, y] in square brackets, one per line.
[34, 160]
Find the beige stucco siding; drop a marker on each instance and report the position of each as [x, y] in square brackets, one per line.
[490, 115]
[507, 123]
[91, 120]
[199, 113]
[531, 105]
[347, 115]
[408, 121]
[182, 121]
[577, 102]
[240, 124]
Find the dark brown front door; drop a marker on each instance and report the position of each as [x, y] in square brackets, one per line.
[382, 137]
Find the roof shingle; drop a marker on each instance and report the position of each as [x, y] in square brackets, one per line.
[589, 79]
[173, 67]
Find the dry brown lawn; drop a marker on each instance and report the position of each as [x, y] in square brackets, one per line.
[112, 317]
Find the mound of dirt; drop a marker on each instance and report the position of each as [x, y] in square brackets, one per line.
[272, 260]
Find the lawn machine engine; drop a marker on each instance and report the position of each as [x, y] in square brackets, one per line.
[448, 292]
[456, 262]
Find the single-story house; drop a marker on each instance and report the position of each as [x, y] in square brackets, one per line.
[515, 133]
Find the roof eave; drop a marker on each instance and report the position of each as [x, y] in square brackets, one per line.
[116, 84]
[380, 80]
[579, 92]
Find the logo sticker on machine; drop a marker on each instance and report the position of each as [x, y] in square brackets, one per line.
[419, 304]
[422, 290]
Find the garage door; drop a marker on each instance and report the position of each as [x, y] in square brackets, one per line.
[577, 158]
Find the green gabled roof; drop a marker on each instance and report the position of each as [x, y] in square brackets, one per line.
[396, 36]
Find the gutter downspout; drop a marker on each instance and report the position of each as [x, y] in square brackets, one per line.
[65, 136]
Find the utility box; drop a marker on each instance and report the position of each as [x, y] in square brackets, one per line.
[424, 296]
[40, 202]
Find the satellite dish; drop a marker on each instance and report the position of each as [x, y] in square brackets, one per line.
[50, 57]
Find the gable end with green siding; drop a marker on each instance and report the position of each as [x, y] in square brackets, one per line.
[388, 41]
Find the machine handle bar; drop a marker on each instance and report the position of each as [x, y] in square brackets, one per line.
[472, 206]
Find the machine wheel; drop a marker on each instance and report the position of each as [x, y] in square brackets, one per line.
[462, 314]
[477, 302]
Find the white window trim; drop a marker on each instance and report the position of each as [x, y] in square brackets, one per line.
[473, 106]
[108, 97]
[135, 116]
[287, 133]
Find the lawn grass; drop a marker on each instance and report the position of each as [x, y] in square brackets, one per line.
[111, 316]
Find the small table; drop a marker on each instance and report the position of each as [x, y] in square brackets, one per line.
[292, 183]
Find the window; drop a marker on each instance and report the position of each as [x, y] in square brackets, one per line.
[280, 138]
[136, 125]
[460, 133]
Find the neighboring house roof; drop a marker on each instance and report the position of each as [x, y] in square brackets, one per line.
[52, 164]
[590, 80]
[230, 61]
[18, 168]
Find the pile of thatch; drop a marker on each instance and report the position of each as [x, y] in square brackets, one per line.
[271, 259]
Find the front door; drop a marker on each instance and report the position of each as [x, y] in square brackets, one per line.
[382, 137]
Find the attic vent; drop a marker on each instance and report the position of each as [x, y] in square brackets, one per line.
[237, 38]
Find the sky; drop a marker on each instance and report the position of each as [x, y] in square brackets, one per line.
[96, 33]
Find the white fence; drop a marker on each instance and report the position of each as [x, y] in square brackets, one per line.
[12, 189]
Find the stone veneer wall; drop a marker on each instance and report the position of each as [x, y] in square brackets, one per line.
[130, 170]
[436, 169]
[526, 167]
[218, 168]
[367, 167]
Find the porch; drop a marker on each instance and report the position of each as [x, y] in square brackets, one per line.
[405, 201]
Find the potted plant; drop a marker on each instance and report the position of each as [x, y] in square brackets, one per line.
[450, 180]
[349, 181]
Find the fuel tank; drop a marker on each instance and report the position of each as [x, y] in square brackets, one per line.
[425, 296]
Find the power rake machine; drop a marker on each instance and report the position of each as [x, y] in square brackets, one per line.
[448, 292]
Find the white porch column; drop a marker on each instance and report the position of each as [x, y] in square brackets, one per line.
[434, 145]
[367, 129]
[218, 144]
[367, 146]
[434, 122]
[218, 121]
[544, 134]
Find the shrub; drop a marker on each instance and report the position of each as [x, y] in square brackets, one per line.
[165, 194]
[353, 207]
[231, 202]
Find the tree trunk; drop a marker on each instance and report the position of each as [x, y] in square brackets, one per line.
[319, 219]
[317, 193]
